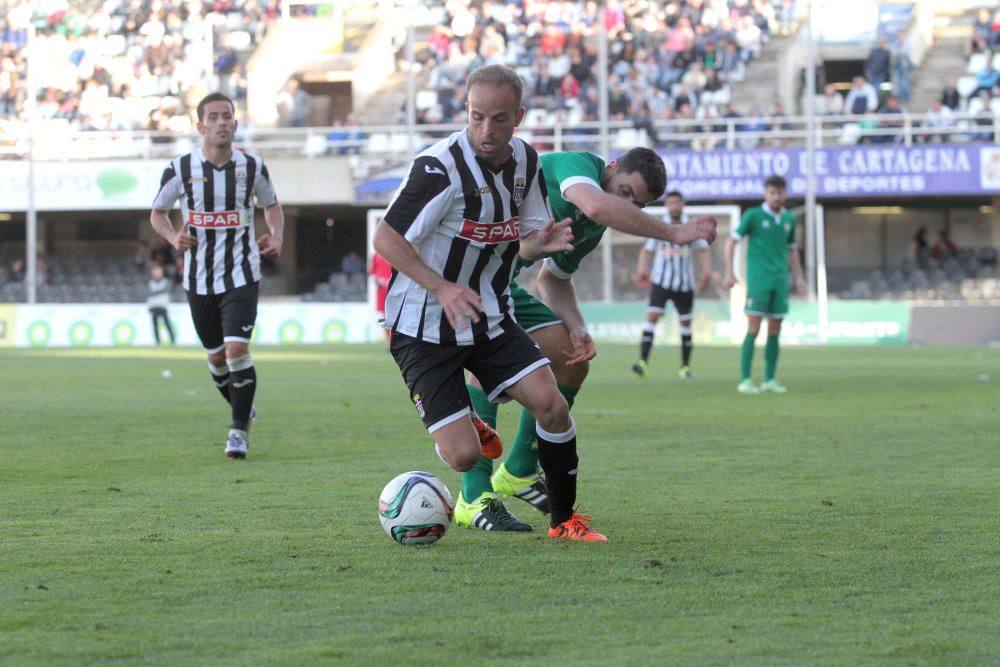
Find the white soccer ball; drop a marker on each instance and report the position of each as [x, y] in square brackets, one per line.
[415, 508]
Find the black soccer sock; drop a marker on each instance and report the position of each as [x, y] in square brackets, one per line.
[686, 343]
[220, 377]
[648, 329]
[242, 386]
[557, 456]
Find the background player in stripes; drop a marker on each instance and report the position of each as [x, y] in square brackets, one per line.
[217, 186]
[595, 196]
[670, 279]
[470, 204]
[770, 253]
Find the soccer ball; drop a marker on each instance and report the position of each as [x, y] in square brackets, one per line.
[415, 508]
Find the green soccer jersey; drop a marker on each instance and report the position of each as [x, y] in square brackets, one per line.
[563, 170]
[771, 235]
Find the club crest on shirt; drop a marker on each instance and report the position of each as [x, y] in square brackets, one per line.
[241, 175]
[519, 186]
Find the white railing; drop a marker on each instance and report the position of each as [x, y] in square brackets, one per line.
[399, 142]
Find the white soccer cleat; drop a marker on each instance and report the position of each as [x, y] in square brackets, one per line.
[237, 444]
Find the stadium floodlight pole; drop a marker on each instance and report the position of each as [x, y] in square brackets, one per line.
[31, 214]
[810, 154]
[411, 84]
[607, 256]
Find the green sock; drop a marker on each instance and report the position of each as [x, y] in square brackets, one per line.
[770, 357]
[746, 356]
[481, 404]
[475, 482]
[523, 458]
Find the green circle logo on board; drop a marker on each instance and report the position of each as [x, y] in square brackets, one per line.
[81, 333]
[290, 332]
[39, 334]
[123, 333]
[334, 331]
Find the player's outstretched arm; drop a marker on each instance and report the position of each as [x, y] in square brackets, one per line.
[623, 216]
[704, 258]
[160, 220]
[553, 237]
[560, 295]
[641, 277]
[459, 302]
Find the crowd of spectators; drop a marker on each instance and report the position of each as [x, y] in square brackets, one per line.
[667, 60]
[128, 64]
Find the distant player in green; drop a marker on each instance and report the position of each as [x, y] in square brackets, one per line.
[771, 250]
[595, 196]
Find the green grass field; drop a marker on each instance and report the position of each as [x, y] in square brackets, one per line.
[854, 521]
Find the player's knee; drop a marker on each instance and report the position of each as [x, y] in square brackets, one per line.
[552, 412]
[217, 359]
[235, 350]
[459, 459]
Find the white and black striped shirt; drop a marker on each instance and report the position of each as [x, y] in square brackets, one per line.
[672, 266]
[465, 220]
[217, 208]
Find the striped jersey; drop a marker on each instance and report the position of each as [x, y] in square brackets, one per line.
[217, 205]
[672, 266]
[464, 218]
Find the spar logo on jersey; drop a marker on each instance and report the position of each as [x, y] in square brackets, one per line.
[491, 232]
[519, 187]
[218, 219]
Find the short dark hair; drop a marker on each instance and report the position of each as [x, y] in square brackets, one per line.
[648, 163]
[775, 181]
[497, 75]
[208, 99]
[674, 193]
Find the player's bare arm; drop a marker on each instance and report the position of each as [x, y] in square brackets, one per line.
[270, 243]
[160, 220]
[553, 237]
[459, 302]
[730, 278]
[796, 264]
[560, 295]
[706, 269]
[641, 277]
[624, 216]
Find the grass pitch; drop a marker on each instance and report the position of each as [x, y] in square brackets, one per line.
[851, 521]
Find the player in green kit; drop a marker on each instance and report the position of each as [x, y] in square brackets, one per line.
[595, 196]
[771, 250]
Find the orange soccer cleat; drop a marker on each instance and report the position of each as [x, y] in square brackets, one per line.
[489, 440]
[577, 528]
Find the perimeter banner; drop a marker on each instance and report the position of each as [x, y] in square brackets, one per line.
[883, 170]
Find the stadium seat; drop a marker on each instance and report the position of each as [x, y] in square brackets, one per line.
[995, 106]
[723, 96]
[626, 138]
[977, 62]
[850, 134]
[425, 99]
[316, 144]
[378, 142]
[965, 86]
[537, 118]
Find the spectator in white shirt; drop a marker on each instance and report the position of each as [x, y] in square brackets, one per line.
[938, 117]
[861, 98]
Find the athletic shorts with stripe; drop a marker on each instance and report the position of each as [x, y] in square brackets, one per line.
[435, 374]
[531, 313]
[767, 300]
[659, 295]
[226, 317]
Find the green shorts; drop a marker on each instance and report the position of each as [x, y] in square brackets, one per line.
[529, 312]
[767, 302]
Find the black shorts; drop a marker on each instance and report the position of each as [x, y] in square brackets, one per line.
[225, 317]
[435, 374]
[659, 295]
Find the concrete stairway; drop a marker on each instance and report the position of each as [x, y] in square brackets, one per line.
[945, 58]
[761, 83]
